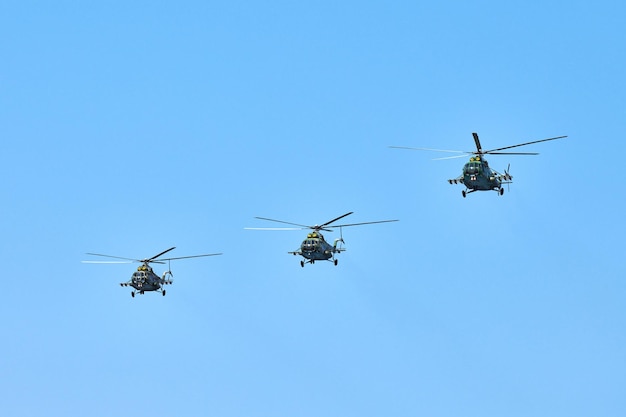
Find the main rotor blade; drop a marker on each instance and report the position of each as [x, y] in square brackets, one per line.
[115, 257]
[513, 153]
[275, 228]
[333, 220]
[431, 149]
[150, 260]
[107, 262]
[280, 221]
[477, 141]
[359, 224]
[524, 144]
[452, 157]
[192, 256]
[156, 256]
[303, 226]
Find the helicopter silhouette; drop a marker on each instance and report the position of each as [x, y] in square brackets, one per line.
[315, 247]
[145, 279]
[477, 175]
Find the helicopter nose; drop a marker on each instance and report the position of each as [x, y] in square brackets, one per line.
[307, 247]
[138, 278]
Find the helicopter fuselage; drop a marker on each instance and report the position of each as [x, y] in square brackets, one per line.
[144, 279]
[315, 248]
[478, 176]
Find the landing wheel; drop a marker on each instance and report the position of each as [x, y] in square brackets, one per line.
[302, 264]
[463, 193]
[163, 293]
[132, 294]
[336, 262]
[501, 191]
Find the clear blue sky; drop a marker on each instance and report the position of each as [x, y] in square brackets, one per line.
[130, 128]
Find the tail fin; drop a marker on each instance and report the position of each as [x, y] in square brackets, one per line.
[507, 176]
[164, 277]
[340, 240]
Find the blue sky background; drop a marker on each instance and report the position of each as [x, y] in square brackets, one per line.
[131, 128]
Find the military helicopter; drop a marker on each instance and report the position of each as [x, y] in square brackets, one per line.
[315, 247]
[144, 279]
[477, 175]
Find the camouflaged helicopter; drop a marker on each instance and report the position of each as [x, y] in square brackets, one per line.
[477, 175]
[145, 279]
[315, 247]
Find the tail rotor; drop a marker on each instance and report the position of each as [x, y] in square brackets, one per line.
[166, 273]
[508, 178]
[340, 241]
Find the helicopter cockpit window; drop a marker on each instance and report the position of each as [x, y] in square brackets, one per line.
[308, 244]
[140, 275]
[472, 168]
